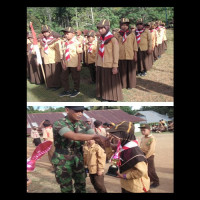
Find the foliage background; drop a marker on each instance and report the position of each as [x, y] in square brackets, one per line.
[87, 17]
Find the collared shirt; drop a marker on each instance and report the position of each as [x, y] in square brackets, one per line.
[94, 158]
[91, 56]
[48, 133]
[53, 55]
[111, 54]
[100, 131]
[74, 49]
[35, 134]
[126, 49]
[145, 41]
[148, 145]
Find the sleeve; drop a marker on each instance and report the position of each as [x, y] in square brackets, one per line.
[101, 159]
[115, 48]
[79, 48]
[97, 49]
[64, 130]
[135, 47]
[58, 48]
[90, 131]
[152, 148]
[137, 171]
[149, 38]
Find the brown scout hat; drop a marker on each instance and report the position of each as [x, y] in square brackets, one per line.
[45, 28]
[69, 30]
[139, 21]
[145, 126]
[125, 126]
[91, 34]
[124, 20]
[85, 32]
[103, 23]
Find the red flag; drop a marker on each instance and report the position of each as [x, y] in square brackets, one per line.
[33, 34]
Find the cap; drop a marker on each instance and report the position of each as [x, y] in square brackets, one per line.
[125, 126]
[145, 126]
[75, 107]
[139, 21]
[69, 30]
[124, 20]
[85, 32]
[45, 28]
[103, 23]
[91, 34]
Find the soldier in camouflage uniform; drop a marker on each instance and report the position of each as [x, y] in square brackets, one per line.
[69, 136]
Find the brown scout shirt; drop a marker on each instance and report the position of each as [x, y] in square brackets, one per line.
[136, 177]
[145, 41]
[126, 49]
[74, 50]
[90, 57]
[94, 158]
[53, 55]
[148, 145]
[111, 54]
[48, 133]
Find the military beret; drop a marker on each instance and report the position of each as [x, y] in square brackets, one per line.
[75, 107]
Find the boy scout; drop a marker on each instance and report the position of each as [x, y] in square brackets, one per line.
[71, 63]
[91, 50]
[94, 160]
[147, 144]
[164, 37]
[154, 34]
[69, 136]
[127, 54]
[108, 83]
[50, 51]
[144, 42]
[159, 38]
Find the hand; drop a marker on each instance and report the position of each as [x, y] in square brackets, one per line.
[63, 65]
[78, 68]
[114, 70]
[99, 173]
[149, 51]
[119, 175]
[135, 58]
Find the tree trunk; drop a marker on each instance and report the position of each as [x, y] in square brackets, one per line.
[92, 16]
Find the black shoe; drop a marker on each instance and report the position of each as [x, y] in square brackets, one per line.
[154, 185]
[65, 93]
[55, 88]
[74, 93]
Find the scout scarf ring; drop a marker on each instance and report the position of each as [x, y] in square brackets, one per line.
[103, 40]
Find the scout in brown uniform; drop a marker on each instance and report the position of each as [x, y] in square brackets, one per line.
[90, 55]
[35, 72]
[133, 28]
[164, 37]
[85, 41]
[94, 160]
[50, 52]
[71, 63]
[147, 144]
[133, 170]
[108, 83]
[127, 55]
[144, 41]
[154, 33]
[159, 38]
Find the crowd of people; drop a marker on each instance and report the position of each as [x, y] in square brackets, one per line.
[84, 147]
[162, 126]
[114, 59]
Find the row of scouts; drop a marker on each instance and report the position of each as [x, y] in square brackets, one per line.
[77, 146]
[113, 59]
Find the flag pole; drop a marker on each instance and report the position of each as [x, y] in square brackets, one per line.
[39, 59]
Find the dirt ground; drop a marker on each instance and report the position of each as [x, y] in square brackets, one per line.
[43, 180]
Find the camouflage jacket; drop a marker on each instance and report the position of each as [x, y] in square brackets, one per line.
[64, 125]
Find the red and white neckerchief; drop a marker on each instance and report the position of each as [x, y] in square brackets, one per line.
[67, 54]
[131, 144]
[45, 41]
[124, 36]
[90, 48]
[101, 47]
[138, 34]
[84, 41]
[31, 48]
[48, 134]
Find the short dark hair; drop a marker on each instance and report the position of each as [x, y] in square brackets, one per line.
[46, 123]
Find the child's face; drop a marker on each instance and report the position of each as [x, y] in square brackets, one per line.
[90, 39]
[102, 31]
[140, 26]
[90, 142]
[69, 36]
[124, 27]
[46, 34]
[145, 131]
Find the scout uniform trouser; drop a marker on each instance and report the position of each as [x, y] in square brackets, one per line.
[68, 167]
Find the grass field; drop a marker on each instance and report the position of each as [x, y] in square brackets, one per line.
[157, 86]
